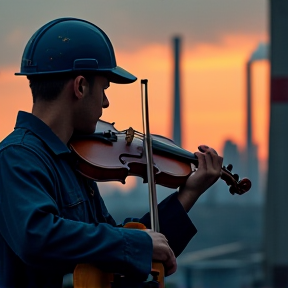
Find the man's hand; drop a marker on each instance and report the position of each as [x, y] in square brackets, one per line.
[162, 252]
[208, 172]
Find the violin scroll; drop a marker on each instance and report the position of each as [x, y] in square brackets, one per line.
[232, 180]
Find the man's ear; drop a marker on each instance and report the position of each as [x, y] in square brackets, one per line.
[80, 84]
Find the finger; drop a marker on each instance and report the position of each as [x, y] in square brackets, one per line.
[164, 238]
[160, 236]
[205, 148]
[210, 159]
[170, 263]
[171, 270]
[215, 159]
[216, 162]
[214, 151]
[220, 159]
[207, 151]
[201, 161]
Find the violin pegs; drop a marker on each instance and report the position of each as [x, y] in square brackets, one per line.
[232, 190]
[236, 177]
[229, 167]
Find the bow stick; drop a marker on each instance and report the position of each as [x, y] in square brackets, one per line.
[149, 158]
[157, 267]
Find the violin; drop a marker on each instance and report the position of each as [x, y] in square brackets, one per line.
[112, 155]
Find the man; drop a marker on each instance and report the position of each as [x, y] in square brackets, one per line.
[52, 218]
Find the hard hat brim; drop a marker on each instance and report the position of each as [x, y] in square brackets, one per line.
[115, 75]
[120, 76]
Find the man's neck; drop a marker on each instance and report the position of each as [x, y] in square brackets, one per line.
[56, 116]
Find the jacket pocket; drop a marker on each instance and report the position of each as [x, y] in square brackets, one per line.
[74, 205]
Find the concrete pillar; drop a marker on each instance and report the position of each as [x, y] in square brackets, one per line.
[276, 213]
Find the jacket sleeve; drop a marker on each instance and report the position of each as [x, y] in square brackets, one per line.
[174, 223]
[32, 227]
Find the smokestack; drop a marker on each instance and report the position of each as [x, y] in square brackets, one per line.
[177, 100]
[261, 53]
[251, 164]
[249, 109]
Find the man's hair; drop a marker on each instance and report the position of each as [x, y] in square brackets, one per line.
[48, 87]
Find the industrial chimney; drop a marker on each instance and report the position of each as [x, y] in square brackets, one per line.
[177, 95]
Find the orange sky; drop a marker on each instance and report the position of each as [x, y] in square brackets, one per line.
[213, 93]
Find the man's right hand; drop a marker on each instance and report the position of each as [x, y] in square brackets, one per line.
[162, 252]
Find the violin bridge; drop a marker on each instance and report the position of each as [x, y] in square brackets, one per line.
[129, 136]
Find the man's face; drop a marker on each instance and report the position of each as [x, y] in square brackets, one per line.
[94, 100]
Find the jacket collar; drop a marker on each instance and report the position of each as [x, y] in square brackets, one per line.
[38, 127]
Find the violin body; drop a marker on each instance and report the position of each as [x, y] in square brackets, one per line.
[115, 161]
[112, 155]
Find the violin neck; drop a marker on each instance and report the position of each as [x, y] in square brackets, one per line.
[164, 146]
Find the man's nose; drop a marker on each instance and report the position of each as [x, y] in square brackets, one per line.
[105, 102]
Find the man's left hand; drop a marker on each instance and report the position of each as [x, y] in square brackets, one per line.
[207, 173]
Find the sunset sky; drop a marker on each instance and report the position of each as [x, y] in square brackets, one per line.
[218, 38]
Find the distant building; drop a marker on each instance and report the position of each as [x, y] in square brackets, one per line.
[246, 165]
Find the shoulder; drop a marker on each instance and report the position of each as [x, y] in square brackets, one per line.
[23, 139]
[23, 165]
[22, 146]
[16, 137]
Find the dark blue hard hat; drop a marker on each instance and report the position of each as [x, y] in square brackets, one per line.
[72, 45]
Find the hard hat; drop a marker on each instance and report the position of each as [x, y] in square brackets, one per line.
[72, 45]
